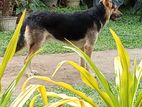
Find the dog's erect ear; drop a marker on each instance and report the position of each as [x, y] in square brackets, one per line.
[106, 2]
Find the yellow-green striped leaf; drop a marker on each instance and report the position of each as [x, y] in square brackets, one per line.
[64, 85]
[11, 47]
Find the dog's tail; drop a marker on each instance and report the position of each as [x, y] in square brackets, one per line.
[21, 41]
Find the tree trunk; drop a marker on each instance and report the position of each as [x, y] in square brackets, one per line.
[8, 7]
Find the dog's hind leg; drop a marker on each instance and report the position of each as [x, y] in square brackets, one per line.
[34, 39]
[33, 48]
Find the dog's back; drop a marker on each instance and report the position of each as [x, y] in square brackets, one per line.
[61, 26]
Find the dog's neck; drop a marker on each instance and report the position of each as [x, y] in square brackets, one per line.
[98, 13]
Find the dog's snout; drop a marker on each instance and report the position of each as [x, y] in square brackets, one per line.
[116, 15]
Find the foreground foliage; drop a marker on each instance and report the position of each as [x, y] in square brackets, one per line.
[126, 84]
[10, 51]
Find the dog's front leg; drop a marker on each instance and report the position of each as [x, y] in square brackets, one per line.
[82, 62]
[88, 50]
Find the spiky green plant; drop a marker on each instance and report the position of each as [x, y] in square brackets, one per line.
[6, 94]
[126, 83]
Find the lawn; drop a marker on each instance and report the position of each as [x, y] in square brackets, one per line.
[128, 28]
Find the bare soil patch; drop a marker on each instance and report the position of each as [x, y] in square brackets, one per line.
[46, 64]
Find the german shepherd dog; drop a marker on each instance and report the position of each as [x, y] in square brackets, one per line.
[80, 28]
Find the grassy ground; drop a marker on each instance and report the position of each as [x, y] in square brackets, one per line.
[128, 28]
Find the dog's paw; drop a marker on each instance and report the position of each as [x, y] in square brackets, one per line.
[32, 73]
[29, 74]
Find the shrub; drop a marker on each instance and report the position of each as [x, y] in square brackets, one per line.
[126, 83]
[6, 95]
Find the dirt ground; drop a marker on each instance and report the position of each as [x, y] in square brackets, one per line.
[46, 64]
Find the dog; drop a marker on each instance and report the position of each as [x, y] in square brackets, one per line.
[81, 28]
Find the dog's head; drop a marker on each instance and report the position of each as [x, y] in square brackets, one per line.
[111, 8]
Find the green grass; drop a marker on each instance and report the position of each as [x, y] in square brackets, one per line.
[4, 40]
[128, 28]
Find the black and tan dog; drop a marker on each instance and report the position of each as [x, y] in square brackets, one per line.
[80, 28]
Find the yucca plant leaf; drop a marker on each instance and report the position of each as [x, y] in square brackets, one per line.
[5, 97]
[103, 81]
[138, 72]
[11, 47]
[66, 101]
[78, 102]
[89, 80]
[82, 70]
[126, 77]
[25, 65]
[65, 97]
[7, 56]
[91, 64]
[64, 85]
[24, 96]
[74, 101]
[42, 91]
[8, 92]
[137, 79]
[44, 94]
[33, 100]
[118, 71]
[138, 102]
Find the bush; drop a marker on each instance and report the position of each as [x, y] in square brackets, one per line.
[126, 84]
[6, 95]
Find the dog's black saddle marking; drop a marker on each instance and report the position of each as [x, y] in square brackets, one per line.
[70, 26]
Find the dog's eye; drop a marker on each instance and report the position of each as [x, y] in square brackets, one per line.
[114, 7]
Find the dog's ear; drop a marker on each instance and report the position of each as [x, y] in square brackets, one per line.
[106, 2]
